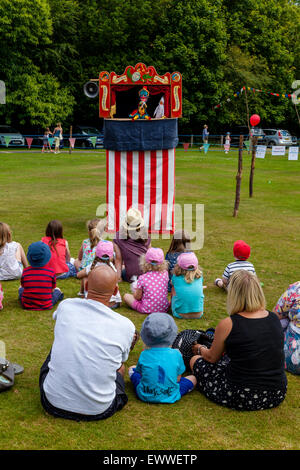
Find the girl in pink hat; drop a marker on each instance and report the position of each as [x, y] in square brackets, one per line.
[187, 287]
[104, 254]
[151, 292]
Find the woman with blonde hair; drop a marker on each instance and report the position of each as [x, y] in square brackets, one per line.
[12, 255]
[244, 367]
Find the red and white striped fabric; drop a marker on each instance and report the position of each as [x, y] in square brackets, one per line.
[144, 180]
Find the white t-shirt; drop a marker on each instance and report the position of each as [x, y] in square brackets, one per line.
[91, 342]
[10, 268]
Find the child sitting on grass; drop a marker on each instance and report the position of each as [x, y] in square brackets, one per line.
[187, 287]
[104, 254]
[87, 250]
[151, 291]
[12, 256]
[241, 252]
[157, 375]
[179, 244]
[60, 254]
[38, 289]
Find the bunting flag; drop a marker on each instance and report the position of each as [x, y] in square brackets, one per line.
[186, 146]
[255, 90]
[29, 141]
[206, 147]
[7, 140]
[93, 140]
[144, 180]
[72, 141]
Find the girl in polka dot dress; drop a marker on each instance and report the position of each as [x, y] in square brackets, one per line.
[151, 292]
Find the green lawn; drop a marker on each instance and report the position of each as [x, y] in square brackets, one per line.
[36, 188]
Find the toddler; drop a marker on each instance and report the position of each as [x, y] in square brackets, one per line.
[46, 143]
[12, 256]
[60, 254]
[187, 288]
[104, 254]
[151, 292]
[38, 289]
[157, 375]
[87, 250]
[241, 252]
[288, 311]
[227, 142]
[179, 244]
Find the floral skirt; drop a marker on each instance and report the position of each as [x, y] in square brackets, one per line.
[292, 350]
[213, 383]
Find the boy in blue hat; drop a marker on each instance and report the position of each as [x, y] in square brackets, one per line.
[157, 375]
[38, 289]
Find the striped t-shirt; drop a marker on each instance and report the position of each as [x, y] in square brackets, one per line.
[38, 284]
[236, 265]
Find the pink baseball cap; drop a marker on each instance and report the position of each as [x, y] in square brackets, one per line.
[105, 249]
[188, 261]
[155, 256]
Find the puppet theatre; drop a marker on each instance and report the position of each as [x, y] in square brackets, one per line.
[140, 110]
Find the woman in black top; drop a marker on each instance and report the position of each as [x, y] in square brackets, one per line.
[244, 368]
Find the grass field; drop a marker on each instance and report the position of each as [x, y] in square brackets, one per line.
[36, 188]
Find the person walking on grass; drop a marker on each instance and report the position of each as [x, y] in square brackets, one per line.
[58, 136]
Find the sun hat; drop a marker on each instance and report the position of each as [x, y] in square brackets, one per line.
[154, 256]
[105, 249]
[241, 250]
[159, 330]
[188, 261]
[38, 254]
[134, 219]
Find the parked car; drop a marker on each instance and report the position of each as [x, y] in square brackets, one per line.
[15, 137]
[295, 140]
[235, 133]
[277, 137]
[83, 135]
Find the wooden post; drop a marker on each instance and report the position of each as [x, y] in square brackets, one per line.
[70, 148]
[254, 142]
[222, 140]
[192, 140]
[239, 178]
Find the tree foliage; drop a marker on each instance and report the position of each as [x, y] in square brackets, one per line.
[50, 48]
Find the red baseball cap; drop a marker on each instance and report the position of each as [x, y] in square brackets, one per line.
[241, 250]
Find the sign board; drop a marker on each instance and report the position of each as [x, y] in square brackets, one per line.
[261, 151]
[278, 150]
[293, 153]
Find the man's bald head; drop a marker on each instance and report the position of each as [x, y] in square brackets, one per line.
[102, 282]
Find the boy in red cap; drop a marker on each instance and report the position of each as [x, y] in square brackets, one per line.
[241, 252]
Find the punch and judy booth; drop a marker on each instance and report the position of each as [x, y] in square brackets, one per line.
[141, 110]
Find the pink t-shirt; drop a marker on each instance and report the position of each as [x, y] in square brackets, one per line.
[154, 285]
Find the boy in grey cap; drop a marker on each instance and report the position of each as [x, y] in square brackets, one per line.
[157, 375]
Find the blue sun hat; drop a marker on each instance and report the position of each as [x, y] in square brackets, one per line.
[38, 254]
[159, 330]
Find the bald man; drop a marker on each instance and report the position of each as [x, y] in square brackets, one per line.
[82, 378]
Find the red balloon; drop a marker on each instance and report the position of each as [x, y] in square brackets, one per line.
[254, 120]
